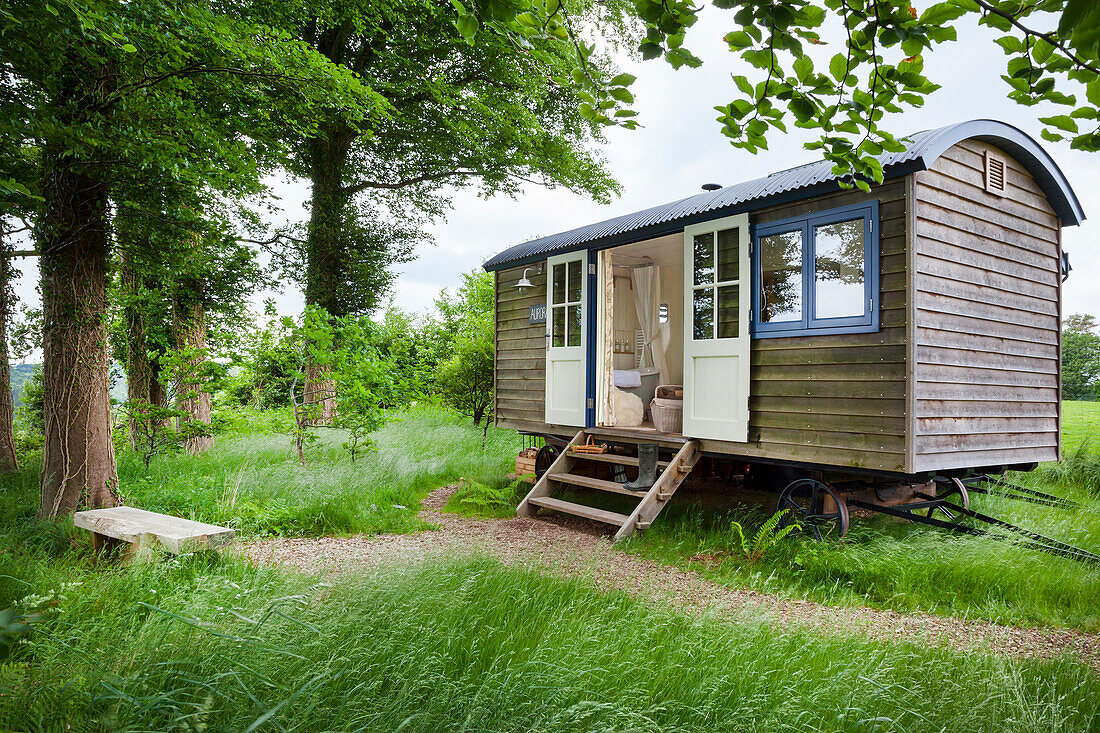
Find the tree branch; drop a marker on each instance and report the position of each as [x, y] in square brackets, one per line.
[1049, 37]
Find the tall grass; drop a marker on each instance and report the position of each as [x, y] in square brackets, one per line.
[890, 563]
[469, 645]
[251, 480]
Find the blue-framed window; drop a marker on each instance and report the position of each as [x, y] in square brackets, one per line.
[817, 274]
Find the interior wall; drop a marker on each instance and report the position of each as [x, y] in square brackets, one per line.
[625, 314]
[667, 253]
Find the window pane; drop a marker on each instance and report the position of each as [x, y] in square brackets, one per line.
[557, 332]
[574, 281]
[574, 331]
[728, 311]
[729, 241]
[839, 269]
[559, 283]
[781, 277]
[704, 258]
[703, 318]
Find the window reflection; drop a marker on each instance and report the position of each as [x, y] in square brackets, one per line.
[557, 331]
[728, 255]
[574, 281]
[781, 277]
[704, 258]
[728, 315]
[703, 314]
[839, 269]
[558, 279]
[573, 332]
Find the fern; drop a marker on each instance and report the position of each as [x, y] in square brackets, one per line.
[767, 537]
[479, 495]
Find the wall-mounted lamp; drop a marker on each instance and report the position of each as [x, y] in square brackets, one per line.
[524, 283]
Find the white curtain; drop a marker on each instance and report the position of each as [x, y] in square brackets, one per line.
[607, 381]
[647, 299]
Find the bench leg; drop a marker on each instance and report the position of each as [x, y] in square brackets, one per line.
[140, 550]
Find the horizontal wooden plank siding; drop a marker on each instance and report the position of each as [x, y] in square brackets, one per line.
[520, 366]
[986, 301]
[836, 400]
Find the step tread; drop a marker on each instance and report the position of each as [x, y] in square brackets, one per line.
[594, 483]
[612, 458]
[580, 510]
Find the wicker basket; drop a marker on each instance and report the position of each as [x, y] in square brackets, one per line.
[667, 408]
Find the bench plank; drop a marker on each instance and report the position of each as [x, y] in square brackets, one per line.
[138, 526]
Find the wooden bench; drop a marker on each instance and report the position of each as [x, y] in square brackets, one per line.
[142, 531]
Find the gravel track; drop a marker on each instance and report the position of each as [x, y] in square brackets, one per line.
[571, 547]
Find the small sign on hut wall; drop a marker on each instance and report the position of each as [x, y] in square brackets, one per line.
[538, 313]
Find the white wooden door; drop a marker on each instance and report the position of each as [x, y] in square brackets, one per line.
[716, 331]
[566, 338]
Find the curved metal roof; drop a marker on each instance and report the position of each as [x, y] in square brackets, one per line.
[798, 183]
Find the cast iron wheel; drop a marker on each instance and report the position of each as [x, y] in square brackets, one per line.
[544, 459]
[806, 500]
[952, 493]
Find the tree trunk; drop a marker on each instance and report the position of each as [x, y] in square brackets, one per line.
[189, 322]
[325, 259]
[78, 455]
[143, 385]
[9, 462]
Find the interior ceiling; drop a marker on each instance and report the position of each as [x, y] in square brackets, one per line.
[667, 251]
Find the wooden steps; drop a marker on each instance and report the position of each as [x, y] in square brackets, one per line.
[595, 483]
[589, 512]
[619, 460]
[562, 474]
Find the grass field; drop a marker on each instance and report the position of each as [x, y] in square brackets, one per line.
[187, 644]
[889, 563]
[252, 481]
[472, 646]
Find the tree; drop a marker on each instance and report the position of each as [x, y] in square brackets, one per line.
[1080, 357]
[467, 319]
[110, 92]
[1052, 49]
[456, 113]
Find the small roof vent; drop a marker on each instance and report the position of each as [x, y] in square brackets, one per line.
[995, 174]
[712, 186]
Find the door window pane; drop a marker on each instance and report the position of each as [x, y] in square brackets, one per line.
[558, 279]
[574, 281]
[781, 277]
[839, 269]
[573, 331]
[703, 260]
[728, 311]
[557, 331]
[729, 241]
[703, 314]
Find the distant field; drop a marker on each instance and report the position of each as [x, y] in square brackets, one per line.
[1080, 423]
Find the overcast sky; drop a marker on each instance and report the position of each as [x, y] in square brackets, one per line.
[680, 147]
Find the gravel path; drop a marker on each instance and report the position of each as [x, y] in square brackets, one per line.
[568, 546]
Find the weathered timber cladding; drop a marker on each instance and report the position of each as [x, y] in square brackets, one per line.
[986, 296]
[838, 399]
[521, 354]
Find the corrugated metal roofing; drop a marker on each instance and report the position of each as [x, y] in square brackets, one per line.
[800, 182]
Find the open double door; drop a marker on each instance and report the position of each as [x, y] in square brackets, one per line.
[717, 294]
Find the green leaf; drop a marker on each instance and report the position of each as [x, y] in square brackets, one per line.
[941, 13]
[803, 67]
[838, 67]
[1062, 122]
[467, 26]
[623, 80]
